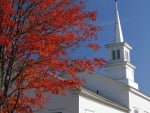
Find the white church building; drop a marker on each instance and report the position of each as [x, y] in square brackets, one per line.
[115, 92]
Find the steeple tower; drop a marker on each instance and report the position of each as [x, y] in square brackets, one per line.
[119, 67]
[118, 30]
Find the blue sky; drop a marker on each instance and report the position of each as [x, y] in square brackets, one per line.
[135, 20]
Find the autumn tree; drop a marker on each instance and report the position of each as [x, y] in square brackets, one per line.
[36, 37]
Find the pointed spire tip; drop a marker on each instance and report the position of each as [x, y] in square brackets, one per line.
[118, 29]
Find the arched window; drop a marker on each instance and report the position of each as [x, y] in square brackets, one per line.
[118, 53]
[113, 55]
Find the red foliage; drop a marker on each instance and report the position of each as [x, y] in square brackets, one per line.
[34, 38]
[94, 46]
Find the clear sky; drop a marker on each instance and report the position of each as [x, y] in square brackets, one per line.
[135, 20]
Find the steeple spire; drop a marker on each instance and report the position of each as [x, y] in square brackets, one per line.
[119, 67]
[118, 30]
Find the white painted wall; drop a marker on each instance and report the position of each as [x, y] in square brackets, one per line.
[88, 105]
[116, 72]
[140, 102]
[110, 89]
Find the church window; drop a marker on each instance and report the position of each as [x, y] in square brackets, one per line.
[113, 55]
[118, 53]
[127, 55]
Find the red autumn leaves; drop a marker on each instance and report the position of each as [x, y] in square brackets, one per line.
[36, 37]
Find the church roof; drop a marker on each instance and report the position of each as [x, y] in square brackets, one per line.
[99, 97]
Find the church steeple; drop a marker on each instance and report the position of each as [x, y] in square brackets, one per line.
[118, 30]
[119, 67]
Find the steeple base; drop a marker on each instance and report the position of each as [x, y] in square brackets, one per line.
[129, 83]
